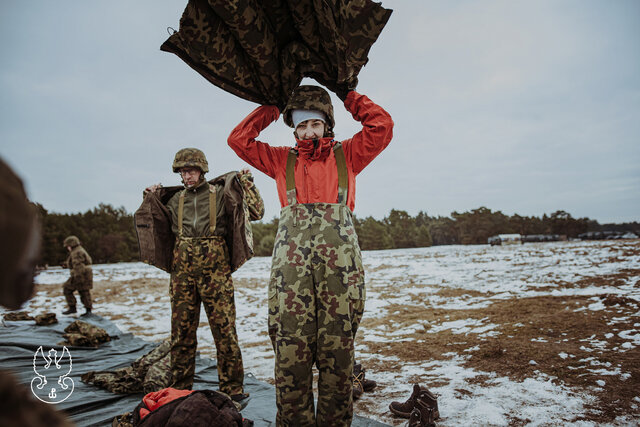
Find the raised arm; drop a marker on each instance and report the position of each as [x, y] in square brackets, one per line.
[376, 133]
[243, 141]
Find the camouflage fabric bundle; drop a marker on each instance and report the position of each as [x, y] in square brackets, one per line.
[85, 334]
[260, 51]
[14, 316]
[46, 319]
[148, 373]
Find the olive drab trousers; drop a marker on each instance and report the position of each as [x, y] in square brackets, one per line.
[85, 297]
[316, 302]
[202, 273]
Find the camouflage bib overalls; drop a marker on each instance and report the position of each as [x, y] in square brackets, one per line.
[316, 301]
[201, 273]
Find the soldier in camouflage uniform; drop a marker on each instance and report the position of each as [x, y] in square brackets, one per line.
[81, 279]
[201, 272]
[316, 290]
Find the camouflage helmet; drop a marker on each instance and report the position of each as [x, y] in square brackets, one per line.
[307, 97]
[72, 241]
[190, 158]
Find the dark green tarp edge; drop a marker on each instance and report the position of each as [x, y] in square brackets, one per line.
[91, 406]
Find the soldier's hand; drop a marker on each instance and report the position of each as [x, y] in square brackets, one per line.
[152, 188]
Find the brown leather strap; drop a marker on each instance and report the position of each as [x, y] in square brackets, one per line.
[291, 177]
[343, 180]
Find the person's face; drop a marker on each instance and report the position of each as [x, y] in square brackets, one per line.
[69, 248]
[190, 176]
[310, 129]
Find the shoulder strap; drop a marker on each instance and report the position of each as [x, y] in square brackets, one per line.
[343, 180]
[341, 164]
[291, 177]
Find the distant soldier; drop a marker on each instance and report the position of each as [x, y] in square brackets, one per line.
[81, 279]
[210, 222]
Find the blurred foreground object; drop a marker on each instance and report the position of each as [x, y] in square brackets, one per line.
[20, 237]
[19, 251]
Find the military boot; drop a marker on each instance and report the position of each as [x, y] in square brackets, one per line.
[421, 415]
[404, 409]
[358, 388]
[359, 372]
[70, 310]
[431, 401]
[87, 312]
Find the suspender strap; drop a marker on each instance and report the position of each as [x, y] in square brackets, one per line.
[343, 181]
[212, 209]
[291, 177]
[180, 211]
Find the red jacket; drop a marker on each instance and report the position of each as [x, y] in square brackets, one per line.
[315, 172]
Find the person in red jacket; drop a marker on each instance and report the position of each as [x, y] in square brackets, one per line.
[316, 289]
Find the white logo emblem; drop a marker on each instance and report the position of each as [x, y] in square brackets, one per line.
[52, 383]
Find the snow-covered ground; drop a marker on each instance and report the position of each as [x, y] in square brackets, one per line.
[445, 278]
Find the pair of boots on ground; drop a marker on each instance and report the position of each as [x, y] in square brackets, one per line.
[360, 383]
[421, 408]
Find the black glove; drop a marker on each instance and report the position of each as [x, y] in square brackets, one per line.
[342, 92]
[281, 106]
[343, 89]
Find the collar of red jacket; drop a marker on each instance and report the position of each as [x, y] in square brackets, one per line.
[315, 151]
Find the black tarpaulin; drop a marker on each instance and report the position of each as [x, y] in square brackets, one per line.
[89, 405]
[261, 50]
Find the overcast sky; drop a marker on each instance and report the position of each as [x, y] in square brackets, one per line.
[525, 107]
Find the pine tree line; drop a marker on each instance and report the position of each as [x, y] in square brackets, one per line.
[108, 233]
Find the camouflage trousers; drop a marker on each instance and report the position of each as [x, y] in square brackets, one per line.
[201, 273]
[316, 302]
[85, 297]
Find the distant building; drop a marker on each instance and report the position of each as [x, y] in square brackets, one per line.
[505, 239]
[605, 235]
[542, 238]
[510, 239]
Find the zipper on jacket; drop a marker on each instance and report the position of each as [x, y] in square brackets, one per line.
[195, 211]
[306, 181]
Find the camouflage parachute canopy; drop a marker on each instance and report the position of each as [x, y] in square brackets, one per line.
[310, 98]
[72, 241]
[261, 50]
[190, 158]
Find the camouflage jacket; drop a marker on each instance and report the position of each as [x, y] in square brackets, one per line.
[239, 203]
[79, 262]
[263, 53]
